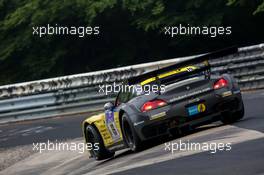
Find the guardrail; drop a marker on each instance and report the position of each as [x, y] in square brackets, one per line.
[79, 93]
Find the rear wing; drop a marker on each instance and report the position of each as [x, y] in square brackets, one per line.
[177, 70]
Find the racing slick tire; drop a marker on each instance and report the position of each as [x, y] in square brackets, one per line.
[228, 118]
[129, 134]
[93, 137]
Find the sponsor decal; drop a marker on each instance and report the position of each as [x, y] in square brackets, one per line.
[201, 107]
[190, 94]
[196, 109]
[156, 116]
[226, 94]
[138, 123]
[111, 126]
[194, 100]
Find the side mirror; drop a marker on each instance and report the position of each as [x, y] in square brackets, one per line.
[108, 106]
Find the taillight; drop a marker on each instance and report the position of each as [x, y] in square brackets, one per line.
[153, 105]
[220, 83]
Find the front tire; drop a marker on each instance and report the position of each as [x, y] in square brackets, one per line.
[93, 137]
[129, 134]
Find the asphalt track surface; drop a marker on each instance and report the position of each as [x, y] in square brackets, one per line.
[245, 157]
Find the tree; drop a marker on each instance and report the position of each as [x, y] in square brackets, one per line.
[130, 32]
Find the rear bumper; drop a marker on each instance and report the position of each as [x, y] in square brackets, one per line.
[176, 115]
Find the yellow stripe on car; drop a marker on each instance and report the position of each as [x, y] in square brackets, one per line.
[184, 69]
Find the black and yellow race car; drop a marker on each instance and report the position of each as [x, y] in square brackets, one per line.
[193, 96]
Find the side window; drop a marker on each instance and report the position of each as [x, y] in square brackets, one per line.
[124, 97]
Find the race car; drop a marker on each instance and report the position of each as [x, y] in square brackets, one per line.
[191, 96]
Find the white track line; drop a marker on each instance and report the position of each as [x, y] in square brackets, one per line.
[241, 136]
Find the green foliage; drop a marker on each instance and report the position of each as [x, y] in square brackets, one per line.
[259, 4]
[259, 9]
[131, 32]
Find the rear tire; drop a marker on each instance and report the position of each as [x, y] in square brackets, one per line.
[94, 137]
[229, 118]
[129, 135]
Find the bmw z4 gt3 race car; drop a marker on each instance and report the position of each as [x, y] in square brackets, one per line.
[193, 96]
